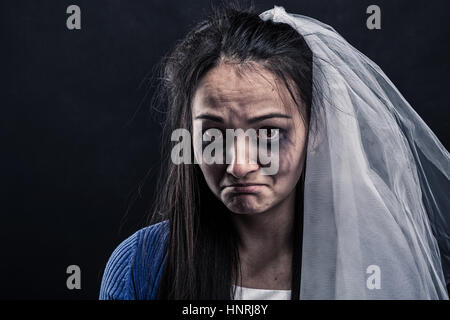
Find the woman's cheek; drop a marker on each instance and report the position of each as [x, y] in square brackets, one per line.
[290, 163]
[212, 174]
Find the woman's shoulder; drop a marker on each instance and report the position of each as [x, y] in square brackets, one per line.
[137, 258]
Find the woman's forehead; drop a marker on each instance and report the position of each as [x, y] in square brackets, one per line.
[224, 89]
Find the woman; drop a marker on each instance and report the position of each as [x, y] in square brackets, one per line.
[358, 205]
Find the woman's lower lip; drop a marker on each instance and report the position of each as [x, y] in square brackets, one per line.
[253, 188]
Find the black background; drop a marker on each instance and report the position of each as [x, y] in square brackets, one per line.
[78, 137]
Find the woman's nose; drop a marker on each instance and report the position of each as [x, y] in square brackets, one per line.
[243, 160]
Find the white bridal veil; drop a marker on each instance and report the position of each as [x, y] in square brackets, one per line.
[376, 202]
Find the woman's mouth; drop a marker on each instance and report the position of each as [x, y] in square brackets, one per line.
[245, 187]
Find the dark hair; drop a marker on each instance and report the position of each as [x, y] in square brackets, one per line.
[202, 255]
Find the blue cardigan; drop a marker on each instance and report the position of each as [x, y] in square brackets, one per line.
[133, 271]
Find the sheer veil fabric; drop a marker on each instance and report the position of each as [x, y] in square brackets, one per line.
[376, 201]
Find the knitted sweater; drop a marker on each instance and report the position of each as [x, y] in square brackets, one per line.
[133, 271]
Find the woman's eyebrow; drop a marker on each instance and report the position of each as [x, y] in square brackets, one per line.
[206, 116]
[268, 116]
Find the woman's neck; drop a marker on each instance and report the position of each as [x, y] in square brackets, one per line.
[265, 242]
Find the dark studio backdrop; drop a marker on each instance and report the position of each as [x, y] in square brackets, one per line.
[78, 137]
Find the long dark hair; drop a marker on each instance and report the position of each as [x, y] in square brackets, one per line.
[202, 256]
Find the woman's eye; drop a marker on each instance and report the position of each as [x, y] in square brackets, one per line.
[269, 133]
[211, 134]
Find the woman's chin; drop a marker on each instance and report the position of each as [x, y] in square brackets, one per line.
[244, 204]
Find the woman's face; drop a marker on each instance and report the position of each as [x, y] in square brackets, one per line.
[225, 99]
